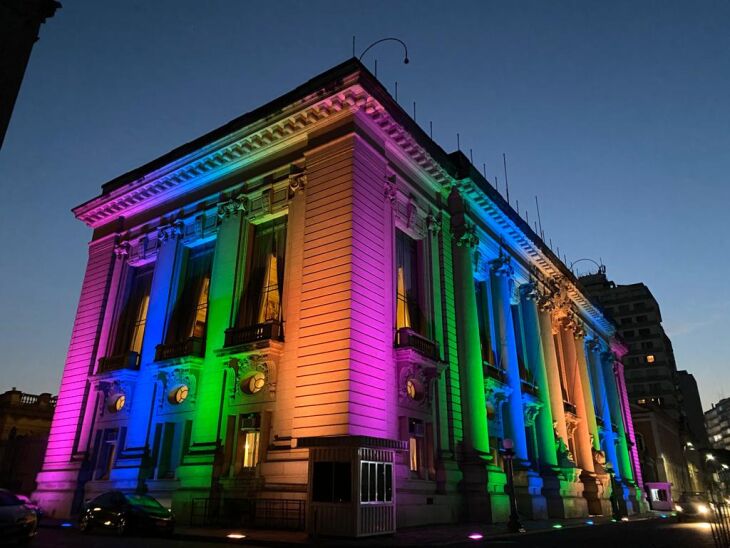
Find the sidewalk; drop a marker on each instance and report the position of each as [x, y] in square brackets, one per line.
[436, 535]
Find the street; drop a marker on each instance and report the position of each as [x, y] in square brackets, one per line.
[645, 534]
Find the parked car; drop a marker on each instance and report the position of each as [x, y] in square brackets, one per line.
[17, 522]
[693, 507]
[126, 512]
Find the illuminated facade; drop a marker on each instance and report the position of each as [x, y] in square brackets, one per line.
[315, 302]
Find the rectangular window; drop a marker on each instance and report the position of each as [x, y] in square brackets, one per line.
[190, 315]
[485, 323]
[376, 482]
[416, 433]
[262, 296]
[331, 482]
[251, 440]
[107, 453]
[650, 358]
[409, 293]
[133, 317]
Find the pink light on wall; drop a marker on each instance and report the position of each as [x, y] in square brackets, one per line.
[620, 351]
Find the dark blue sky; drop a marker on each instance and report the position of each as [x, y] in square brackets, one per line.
[615, 113]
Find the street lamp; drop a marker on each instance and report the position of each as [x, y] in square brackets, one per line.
[513, 525]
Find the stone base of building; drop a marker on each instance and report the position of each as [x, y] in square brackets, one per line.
[563, 492]
[58, 491]
[531, 503]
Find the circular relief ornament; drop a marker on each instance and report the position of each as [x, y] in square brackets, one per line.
[413, 390]
[179, 394]
[253, 383]
[117, 403]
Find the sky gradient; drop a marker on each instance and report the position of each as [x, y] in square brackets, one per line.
[615, 114]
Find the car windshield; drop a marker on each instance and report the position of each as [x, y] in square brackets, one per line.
[144, 501]
[8, 499]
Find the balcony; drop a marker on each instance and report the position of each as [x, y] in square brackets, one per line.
[494, 372]
[236, 336]
[192, 346]
[407, 338]
[128, 360]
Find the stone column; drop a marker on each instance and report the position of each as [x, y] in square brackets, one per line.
[582, 441]
[536, 360]
[502, 282]
[552, 368]
[476, 433]
[585, 381]
[599, 384]
[623, 470]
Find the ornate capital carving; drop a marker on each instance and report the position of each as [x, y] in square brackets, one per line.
[171, 232]
[530, 292]
[531, 408]
[297, 181]
[389, 188]
[433, 223]
[121, 250]
[502, 266]
[467, 238]
[237, 205]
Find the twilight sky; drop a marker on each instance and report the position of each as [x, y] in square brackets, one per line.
[617, 114]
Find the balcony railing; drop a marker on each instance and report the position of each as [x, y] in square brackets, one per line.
[192, 346]
[494, 372]
[254, 333]
[407, 338]
[128, 360]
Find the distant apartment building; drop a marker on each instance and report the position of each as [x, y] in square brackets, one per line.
[668, 434]
[717, 421]
[25, 420]
[650, 366]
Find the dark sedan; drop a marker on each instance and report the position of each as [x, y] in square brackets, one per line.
[17, 521]
[692, 507]
[125, 512]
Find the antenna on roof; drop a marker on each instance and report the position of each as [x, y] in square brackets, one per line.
[484, 170]
[471, 157]
[396, 91]
[539, 220]
[506, 182]
[527, 217]
[496, 183]
[518, 207]
[458, 142]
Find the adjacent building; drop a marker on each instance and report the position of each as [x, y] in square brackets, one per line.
[717, 421]
[20, 22]
[669, 436]
[25, 420]
[316, 310]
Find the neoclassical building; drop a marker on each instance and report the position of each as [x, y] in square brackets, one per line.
[316, 303]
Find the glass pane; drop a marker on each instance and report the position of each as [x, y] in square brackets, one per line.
[251, 449]
[408, 311]
[372, 480]
[388, 482]
[342, 482]
[364, 496]
[381, 482]
[322, 482]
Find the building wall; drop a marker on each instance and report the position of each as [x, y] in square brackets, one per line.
[345, 173]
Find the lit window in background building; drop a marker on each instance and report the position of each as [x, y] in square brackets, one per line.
[650, 358]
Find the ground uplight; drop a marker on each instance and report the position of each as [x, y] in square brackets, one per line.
[476, 536]
[236, 536]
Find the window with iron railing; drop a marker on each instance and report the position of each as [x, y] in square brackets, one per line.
[262, 298]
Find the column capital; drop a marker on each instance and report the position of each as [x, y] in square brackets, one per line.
[529, 292]
[238, 205]
[502, 266]
[121, 250]
[171, 232]
[297, 180]
[467, 238]
[389, 187]
[433, 223]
